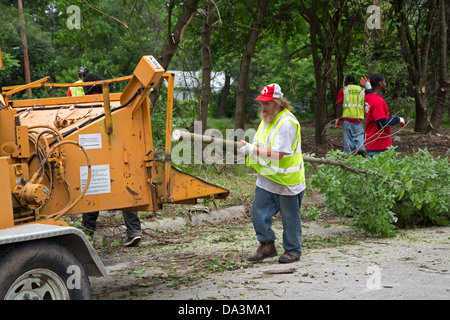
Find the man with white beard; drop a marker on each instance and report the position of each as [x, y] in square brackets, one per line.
[275, 154]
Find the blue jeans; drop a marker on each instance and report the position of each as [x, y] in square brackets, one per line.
[371, 153]
[353, 136]
[265, 205]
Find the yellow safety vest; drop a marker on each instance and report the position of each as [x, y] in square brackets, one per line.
[77, 91]
[353, 102]
[287, 171]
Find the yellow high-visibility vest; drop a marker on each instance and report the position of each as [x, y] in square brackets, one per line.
[287, 171]
[353, 102]
[77, 91]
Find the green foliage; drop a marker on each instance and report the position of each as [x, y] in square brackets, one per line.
[298, 91]
[9, 63]
[397, 191]
[311, 212]
[282, 55]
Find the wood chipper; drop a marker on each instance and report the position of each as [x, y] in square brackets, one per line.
[70, 155]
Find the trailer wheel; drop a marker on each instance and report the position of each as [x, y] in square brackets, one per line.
[42, 270]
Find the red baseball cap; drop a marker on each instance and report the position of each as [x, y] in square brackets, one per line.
[270, 92]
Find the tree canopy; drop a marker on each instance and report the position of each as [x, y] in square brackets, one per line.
[307, 47]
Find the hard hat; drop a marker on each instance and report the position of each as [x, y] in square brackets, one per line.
[82, 70]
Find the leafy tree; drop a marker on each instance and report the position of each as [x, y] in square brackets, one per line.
[388, 190]
[257, 11]
[174, 37]
[206, 64]
[9, 64]
[416, 28]
[253, 46]
[38, 36]
[443, 81]
[328, 39]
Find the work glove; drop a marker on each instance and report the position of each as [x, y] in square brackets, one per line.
[365, 83]
[246, 149]
[402, 121]
[338, 123]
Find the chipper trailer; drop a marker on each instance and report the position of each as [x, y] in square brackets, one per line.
[70, 155]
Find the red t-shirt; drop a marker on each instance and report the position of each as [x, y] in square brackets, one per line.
[340, 98]
[376, 109]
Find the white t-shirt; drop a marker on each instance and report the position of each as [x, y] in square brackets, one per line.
[284, 139]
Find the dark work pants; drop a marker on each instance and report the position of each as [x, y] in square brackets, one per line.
[131, 219]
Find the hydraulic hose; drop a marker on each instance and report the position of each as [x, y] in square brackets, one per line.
[48, 127]
[70, 204]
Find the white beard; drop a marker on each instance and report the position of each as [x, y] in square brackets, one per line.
[267, 118]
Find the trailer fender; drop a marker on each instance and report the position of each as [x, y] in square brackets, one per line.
[72, 238]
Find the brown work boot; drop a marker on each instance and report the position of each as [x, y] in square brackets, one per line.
[288, 258]
[265, 250]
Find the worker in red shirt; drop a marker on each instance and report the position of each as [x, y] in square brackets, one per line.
[378, 122]
[350, 103]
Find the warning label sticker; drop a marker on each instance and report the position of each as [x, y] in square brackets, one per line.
[154, 62]
[100, 179]
[90, 141]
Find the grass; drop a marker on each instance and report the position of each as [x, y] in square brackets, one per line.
[237, 178]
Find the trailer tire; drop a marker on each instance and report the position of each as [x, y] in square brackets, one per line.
[42, 270]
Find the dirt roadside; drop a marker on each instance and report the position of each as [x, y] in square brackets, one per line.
[203, 257]
[200, 255]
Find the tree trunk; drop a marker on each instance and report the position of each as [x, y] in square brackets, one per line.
[415, 52]
[223, 97]
[173, 39]
[206, 68]
[444, 81]
[421, 108]
[341, 48]
[26, 65]
[239, 117]
[330, 39]
[318, 66]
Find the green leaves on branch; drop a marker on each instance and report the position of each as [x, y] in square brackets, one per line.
[388, 190]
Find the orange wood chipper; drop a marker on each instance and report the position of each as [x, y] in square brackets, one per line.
[70, 155]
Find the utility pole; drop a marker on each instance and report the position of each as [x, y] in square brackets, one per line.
[26, 64]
